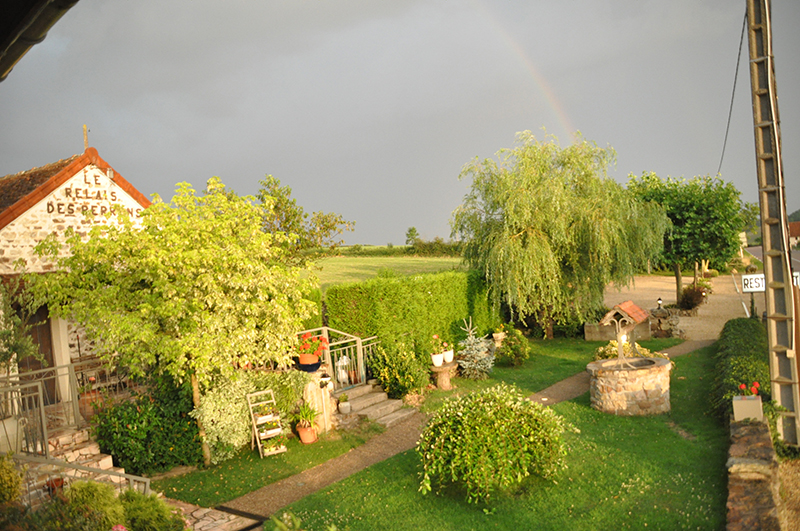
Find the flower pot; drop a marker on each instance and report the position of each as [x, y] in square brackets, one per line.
[448, 356]
[437, 359]
[270, 433]
[747, 407]
[498, 339]
[308, 359]
[344, 408]
[355, 377]
[307, 435]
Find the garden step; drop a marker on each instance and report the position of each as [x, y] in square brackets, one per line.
[67, 438]
[366, 401]
[76, 452]
[381, 409]
[101, 461]
[355, 392]
[396, 416]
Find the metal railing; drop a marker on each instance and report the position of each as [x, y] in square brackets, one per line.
[42, 477]
[346, 356]
[23, 425]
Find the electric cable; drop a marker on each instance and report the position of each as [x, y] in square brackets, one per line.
[733, 93]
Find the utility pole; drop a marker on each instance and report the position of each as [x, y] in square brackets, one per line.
[781, 308]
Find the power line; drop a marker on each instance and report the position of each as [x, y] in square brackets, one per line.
[733, 93]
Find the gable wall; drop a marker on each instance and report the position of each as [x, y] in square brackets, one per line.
[88, 190]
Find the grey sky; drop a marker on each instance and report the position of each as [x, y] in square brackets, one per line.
[370, 108]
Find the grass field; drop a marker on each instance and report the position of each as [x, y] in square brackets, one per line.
[343, 269]
[665, 472]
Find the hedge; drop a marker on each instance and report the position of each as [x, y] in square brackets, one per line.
[412, 309]
[742, 358]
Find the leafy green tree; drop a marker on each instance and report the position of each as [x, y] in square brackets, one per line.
[412, 236]
[706, 214]
[17, 307]
[550, 230]
[281, 213]
[795, 216]
[196, 289]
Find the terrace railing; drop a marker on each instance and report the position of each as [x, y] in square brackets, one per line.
[347, 356]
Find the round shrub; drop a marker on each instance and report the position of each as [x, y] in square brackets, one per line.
[149, 513]
[10, 480]
[399, 369]
[691, 297]
[515, 350]
[488, 440]
[99, 497]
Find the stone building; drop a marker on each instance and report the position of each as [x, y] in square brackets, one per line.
[47, 200]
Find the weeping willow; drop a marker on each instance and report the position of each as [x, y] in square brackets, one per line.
[550, 229]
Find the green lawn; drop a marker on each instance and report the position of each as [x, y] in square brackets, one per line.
[248, 472]
[343, 269]
[665, 472]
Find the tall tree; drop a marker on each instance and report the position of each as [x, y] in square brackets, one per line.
[550, 230]
[195, 290]
[320, 231]
[706, 214]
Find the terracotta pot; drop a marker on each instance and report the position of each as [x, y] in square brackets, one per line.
[448, 356]
[86, 404]
[355, 377]
[307, 435]
[308, 359]
[437, 359]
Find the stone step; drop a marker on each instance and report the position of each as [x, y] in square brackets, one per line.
[381, 409]
[67, 438]
[76, 452]
[101, 461]
[396, 416]
[355, 392]
[367, 400]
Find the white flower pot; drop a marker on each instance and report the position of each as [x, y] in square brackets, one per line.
[747, 407]
[448, 356]
[437, 359]
[344, 408]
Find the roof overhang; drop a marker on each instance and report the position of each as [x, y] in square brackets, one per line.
[25, 23]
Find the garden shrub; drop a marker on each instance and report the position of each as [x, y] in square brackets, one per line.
[224, 413]
[742, 357]
[399, 369]
[315, 321]
[152, 432]
[488, 440]
[413, 308]
[57, 514]
[149, 513]
[515, 350]
[691, 297]
[474, 356]
[609, 351]
[99, 497]
[10, 480]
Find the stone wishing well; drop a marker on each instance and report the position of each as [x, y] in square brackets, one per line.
[629, 385]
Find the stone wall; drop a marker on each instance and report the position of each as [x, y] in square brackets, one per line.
[753, 481]
[642, 389]
[90, 190]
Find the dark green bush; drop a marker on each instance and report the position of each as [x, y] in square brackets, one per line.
[489, 440]
[436, 247]
[57, 514]
[691, 297]
[399, 369]
[153, 431]
[412, 309]
[516, 348]
[742, 358]
[149, 513]
[10, 478]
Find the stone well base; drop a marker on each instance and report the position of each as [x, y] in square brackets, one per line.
[638, 387]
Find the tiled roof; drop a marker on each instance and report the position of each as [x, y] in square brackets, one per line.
[636, 313]
[21, 191]
[794, 229]
[15, 187]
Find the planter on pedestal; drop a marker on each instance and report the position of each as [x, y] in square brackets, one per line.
[747, 407]
[448, 355]
[437, 359]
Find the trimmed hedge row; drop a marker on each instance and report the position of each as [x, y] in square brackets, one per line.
[412, 309]
[742, 358]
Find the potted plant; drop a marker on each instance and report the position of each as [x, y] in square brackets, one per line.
[344, 404]
[440, 351]
[305, 417]
[748, 404]
[499, 335]
[265, 413]
[270, 429]
[274, 445]
[311, 348]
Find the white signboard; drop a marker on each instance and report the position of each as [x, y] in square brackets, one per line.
[756, 283]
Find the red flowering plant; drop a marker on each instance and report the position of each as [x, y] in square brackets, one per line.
[311, 345]
[438, 344]
[752, 390]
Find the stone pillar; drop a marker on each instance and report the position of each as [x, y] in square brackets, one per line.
[321, 399]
